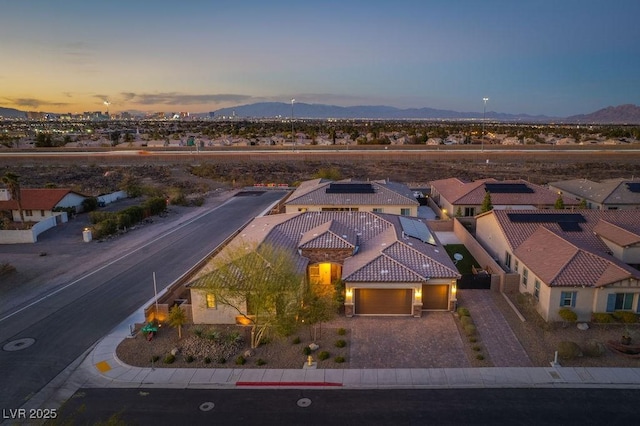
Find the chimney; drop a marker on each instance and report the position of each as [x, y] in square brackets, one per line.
[5, 194]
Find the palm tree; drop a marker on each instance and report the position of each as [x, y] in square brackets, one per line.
[11, 181]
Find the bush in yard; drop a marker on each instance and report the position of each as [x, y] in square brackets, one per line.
[470, 329]
[306, 350]
[169, 359]
[602, 317]
[198, 332]
[569, 350]
[155, 358]
[222, 360]
[341, 343]
[479, 357]
[342, 331]
[240, 360]
[296, 341]
[323, 355]
[473, 339]
[626, 317]
[260, 361]
[463, 312]
[594, 348]
[568, 315]
[189, 358]
[476, 348]
[466, 321]
[339, 359]
[207, 360]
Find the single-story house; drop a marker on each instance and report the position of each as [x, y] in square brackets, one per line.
[458, 198]
[380, 196]
[389, 264]
[40, 203]
[584, 260]
[610, 194]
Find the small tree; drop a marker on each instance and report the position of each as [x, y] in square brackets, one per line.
[583, 204]
[177, 318]
[459, 212]
[11, 180]
[486, 203]
[559, 204]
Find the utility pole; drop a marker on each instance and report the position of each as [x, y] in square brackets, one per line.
[484, 113]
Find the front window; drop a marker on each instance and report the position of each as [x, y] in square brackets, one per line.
[525, 277]
[568, 298]
[507, 260]
[536, 289]
[377, 209]
[624, 301]
[405, 212]
[469, 211]
[211, 301]
[516, 265]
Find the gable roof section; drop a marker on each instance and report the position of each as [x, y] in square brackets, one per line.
[559, 263]
[385, 193]
[329, 235]
[37, 199]
[617, 234]
[610, 191]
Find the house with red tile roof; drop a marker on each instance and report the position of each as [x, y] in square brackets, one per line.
[40, 203]
[389, 264]
[459, 198]
[379, 196]
[585, 260]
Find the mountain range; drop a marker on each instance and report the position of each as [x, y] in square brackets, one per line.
[622, 114]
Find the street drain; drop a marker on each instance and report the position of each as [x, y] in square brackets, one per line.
[19, 344]
[304, 402]
[207, 406]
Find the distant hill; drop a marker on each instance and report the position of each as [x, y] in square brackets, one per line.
[621, 114]
[12, 113]
[381, 112]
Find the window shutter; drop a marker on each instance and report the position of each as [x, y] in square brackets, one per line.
[573, 299]
[611, 303]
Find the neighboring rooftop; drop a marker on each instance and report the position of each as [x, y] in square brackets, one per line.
[611, 191]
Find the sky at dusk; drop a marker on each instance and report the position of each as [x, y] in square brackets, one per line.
[551, 57]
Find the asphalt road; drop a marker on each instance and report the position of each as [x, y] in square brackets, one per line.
[348, 407]
[62, 326]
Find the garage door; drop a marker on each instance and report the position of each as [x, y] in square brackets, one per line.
[383, 301]
[435, 297]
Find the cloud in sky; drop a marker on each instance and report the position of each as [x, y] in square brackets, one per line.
[34, 103]
[176, 98]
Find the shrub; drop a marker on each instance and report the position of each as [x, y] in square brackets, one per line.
[476, 348]
[189, 358]
[198, 332]
[472, 339]
[602, 317]
[155, 358]
[339, 359]
[342, 331]
[594, 348]
[222, 360]
[341, 343]
[233, 337]
[625, 317]
[296, 340]
[240, 360]
[463, 312]
[260, 361]
[306, 350]
[479, 357]
[207, 360]
[470, 329]
[169, 359]
[213, 335]
[466, 321]
[569, 350]
[323, 355]
[568, 315]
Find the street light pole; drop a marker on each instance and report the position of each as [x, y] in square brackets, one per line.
[293, 136]
[484, 113]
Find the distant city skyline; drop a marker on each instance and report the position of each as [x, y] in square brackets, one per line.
[555, 58]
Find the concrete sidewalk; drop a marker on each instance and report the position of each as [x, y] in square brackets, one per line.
[100, 368]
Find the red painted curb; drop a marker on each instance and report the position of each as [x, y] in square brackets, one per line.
[297, 384]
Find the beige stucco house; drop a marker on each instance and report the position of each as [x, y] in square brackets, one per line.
[585, 260]
[350, 195]
[610, 194]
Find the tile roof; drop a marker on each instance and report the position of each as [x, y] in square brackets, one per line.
[37, 199]
[610, 191]
[314, 192]
[472, 193]
[383, 254]
[559, 263]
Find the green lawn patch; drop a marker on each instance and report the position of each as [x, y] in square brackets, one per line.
[464, 265]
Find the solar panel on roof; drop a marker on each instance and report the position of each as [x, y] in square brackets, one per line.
[508, 188]
[633, 186]
[417, 229]
[546, 217]
[570, 226]
[350, 188]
